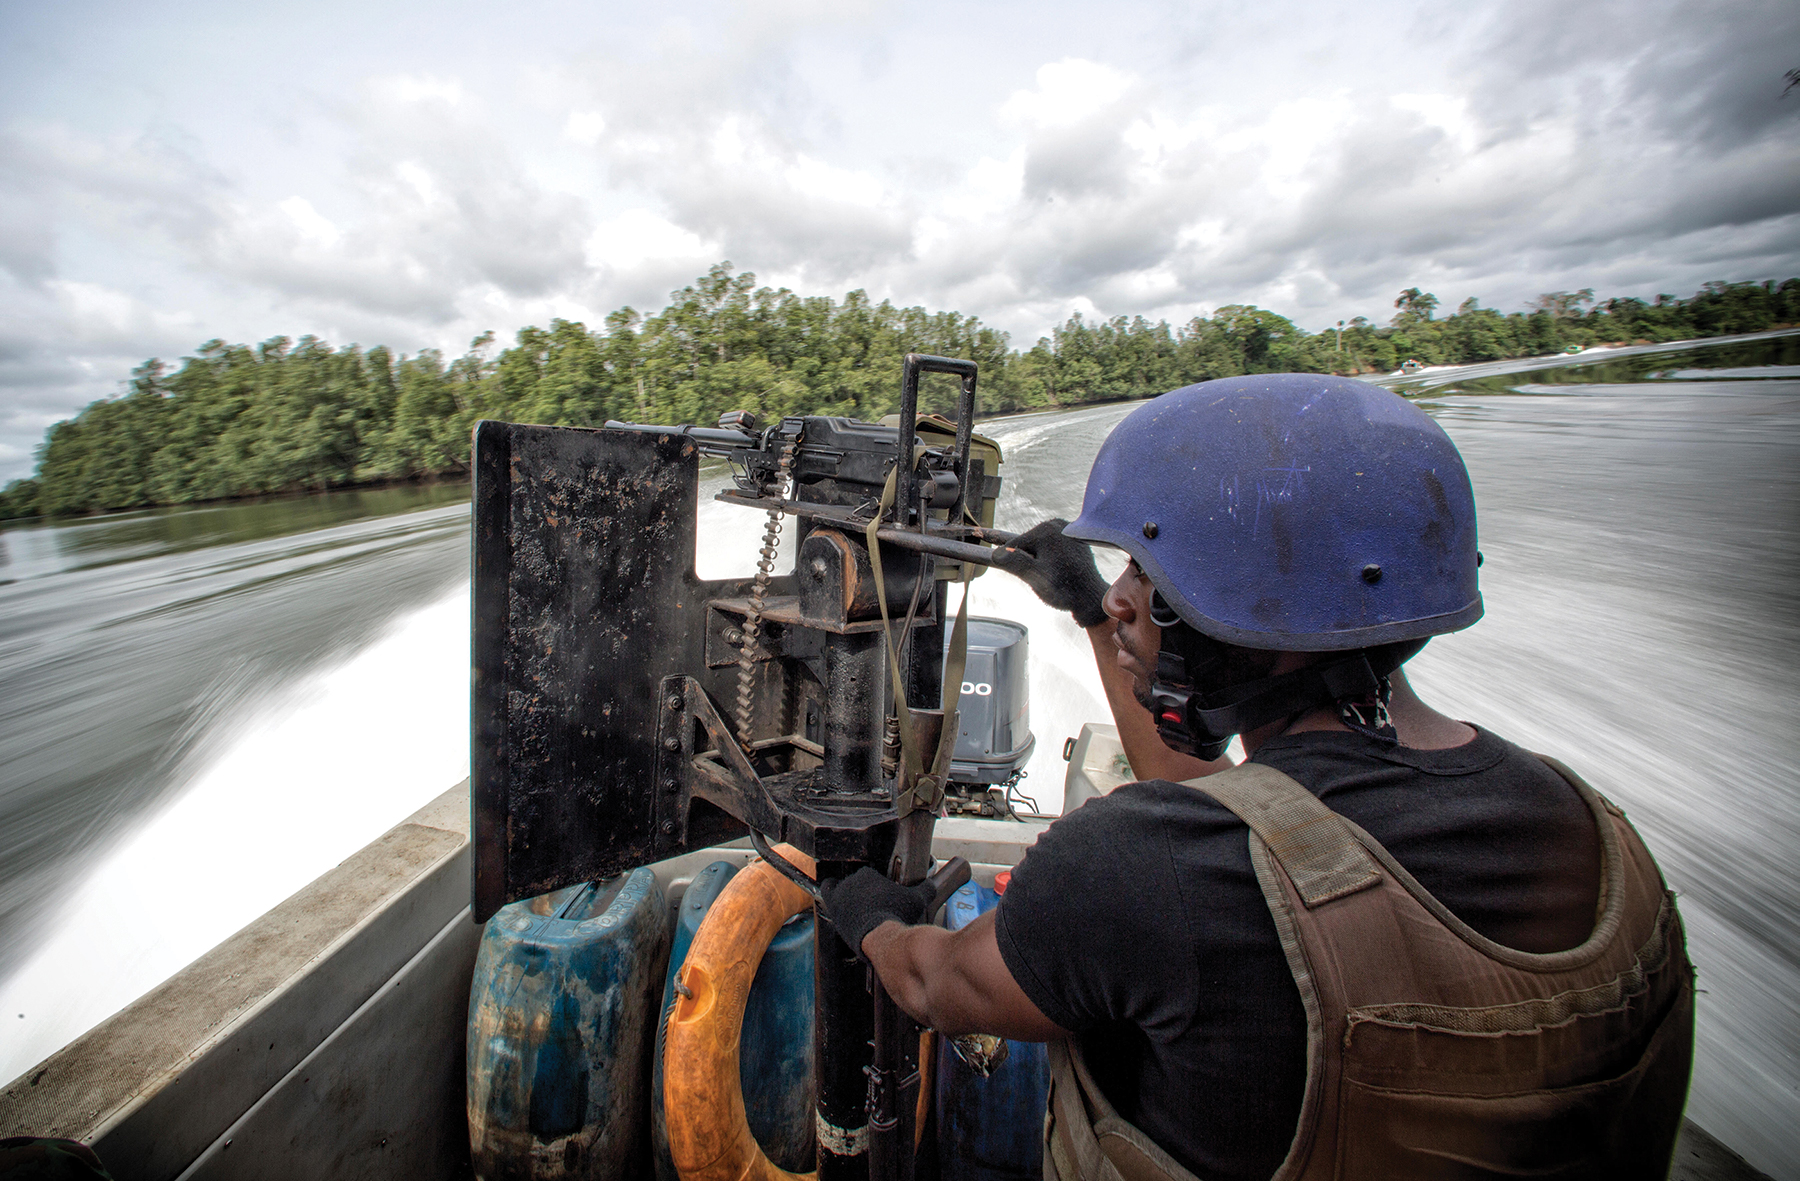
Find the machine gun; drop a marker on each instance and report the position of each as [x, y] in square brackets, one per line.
[601, 660]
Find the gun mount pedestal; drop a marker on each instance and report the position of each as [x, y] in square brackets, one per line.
[602, 662]
[834, 803]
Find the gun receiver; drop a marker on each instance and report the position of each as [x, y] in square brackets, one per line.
[839, 470]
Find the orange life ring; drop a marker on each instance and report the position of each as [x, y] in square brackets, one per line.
[703, 1101]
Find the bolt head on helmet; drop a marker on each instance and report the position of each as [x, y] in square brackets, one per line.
[1291, 512]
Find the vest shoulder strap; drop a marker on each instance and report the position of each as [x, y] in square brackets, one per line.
[1320, 852]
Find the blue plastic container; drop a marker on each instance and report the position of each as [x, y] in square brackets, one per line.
[561, 1014]
[989, 1129]
[775, 1053]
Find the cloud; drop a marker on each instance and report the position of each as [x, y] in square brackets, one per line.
[734, 150]
[426, 201]
[75, 342]
[424, 237]
[424, 228]
[412, 88]
[1163, 163]
[766, 199]
[584, 127]
[54, 178]
[434, 206]
[1344, 195]
[27, 238]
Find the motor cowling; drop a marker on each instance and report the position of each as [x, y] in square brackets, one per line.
[994, 739]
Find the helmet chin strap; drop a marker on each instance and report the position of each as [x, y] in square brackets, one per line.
[1202, 722]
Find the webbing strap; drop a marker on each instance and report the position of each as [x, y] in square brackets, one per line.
[1312, 843]
[1085, 1139]
[1071, 1152]
[919, 786]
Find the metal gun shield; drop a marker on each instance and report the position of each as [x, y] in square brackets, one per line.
[585, 597]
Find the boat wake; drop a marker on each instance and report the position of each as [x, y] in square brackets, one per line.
[311, 775]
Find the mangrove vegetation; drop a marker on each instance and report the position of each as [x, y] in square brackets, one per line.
[294, 415]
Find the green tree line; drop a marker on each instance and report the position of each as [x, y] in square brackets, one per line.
[289, 415]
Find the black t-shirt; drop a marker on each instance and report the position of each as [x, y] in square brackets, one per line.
[1136, 922]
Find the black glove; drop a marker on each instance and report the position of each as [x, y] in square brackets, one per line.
[867, 898]
[1060, 569]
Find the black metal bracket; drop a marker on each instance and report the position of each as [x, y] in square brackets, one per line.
[784, 867]
[907, 485]
[789, 806]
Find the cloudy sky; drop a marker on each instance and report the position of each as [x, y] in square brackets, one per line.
[411, 174]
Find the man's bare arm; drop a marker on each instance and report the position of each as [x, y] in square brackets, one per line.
[956, 981]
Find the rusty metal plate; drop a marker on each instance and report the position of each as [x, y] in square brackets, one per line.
[585, 598]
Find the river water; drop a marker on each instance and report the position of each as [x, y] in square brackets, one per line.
[203, 709]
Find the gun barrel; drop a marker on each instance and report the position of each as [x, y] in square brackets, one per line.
[709, 437]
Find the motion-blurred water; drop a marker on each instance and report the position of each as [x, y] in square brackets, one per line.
[176, 751]
[202, 710]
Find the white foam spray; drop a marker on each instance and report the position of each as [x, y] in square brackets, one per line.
[304, 781]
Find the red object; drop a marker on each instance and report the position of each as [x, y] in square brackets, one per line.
[1002, 880]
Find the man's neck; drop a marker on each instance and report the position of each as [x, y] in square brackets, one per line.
[1416, 724]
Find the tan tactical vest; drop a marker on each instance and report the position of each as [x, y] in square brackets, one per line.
[1431, 1051]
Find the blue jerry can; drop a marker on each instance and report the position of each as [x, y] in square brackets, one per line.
[560, 1031]
[990, 1129]
[775, 1053]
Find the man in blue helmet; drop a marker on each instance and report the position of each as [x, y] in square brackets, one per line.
[1391, 944]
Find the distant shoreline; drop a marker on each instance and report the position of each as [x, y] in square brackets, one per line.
[289, 494]
[1421, 381]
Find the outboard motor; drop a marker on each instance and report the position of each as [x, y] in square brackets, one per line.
[995, 740]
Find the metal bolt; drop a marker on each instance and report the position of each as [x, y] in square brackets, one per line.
[733, 636]
[668, 826]
[670, 784]
[1371, 574]
[1150, 530]
[671, 743]
[674, 701]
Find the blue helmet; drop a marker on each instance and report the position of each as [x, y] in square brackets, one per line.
[1291, 512]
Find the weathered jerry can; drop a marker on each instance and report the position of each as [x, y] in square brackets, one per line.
[561, 1017]
[989, 1129]
[775, 1053]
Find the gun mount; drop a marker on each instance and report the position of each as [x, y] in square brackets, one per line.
[601, 740]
